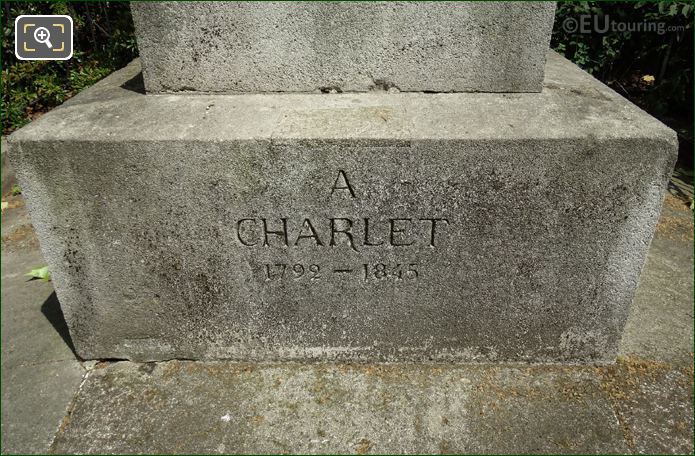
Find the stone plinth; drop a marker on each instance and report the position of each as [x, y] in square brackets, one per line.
[381, 227]
[343, 46]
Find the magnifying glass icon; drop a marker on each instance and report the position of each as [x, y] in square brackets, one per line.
[42, 35]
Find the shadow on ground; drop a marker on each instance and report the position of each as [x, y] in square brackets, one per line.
[51, 310]
[136, 84]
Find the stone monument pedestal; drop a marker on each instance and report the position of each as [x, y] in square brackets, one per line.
[313, 46]
[357, 226]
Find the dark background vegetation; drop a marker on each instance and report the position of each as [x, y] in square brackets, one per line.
[103, 42]
[653, 70]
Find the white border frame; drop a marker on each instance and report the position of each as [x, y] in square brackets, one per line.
[72, 31]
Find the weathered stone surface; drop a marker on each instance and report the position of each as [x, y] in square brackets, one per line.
[142, 205]
[343, 409]
[636, 405]
[343, 46]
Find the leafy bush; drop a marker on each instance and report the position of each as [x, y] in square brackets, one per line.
[653, 68]
[103, 42]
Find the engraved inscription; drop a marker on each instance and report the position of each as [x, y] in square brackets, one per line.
[333, 232]
[358, 234]
[277, 272]
[342, 183]
[380, 271]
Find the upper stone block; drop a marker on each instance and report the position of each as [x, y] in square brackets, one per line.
[343, 46]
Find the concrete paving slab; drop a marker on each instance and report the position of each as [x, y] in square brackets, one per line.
[654, 404]
[17, 230]
[221, 407]
[35, 399]
[40, 374]
[33, 328]
[660, 325]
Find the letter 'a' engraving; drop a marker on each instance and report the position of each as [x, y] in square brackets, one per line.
[342, 183]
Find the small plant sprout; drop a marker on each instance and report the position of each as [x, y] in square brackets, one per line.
[40, 273]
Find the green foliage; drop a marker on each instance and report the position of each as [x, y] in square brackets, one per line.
[653, 68]
[40, 273]
[16, 190]
[103, 42]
